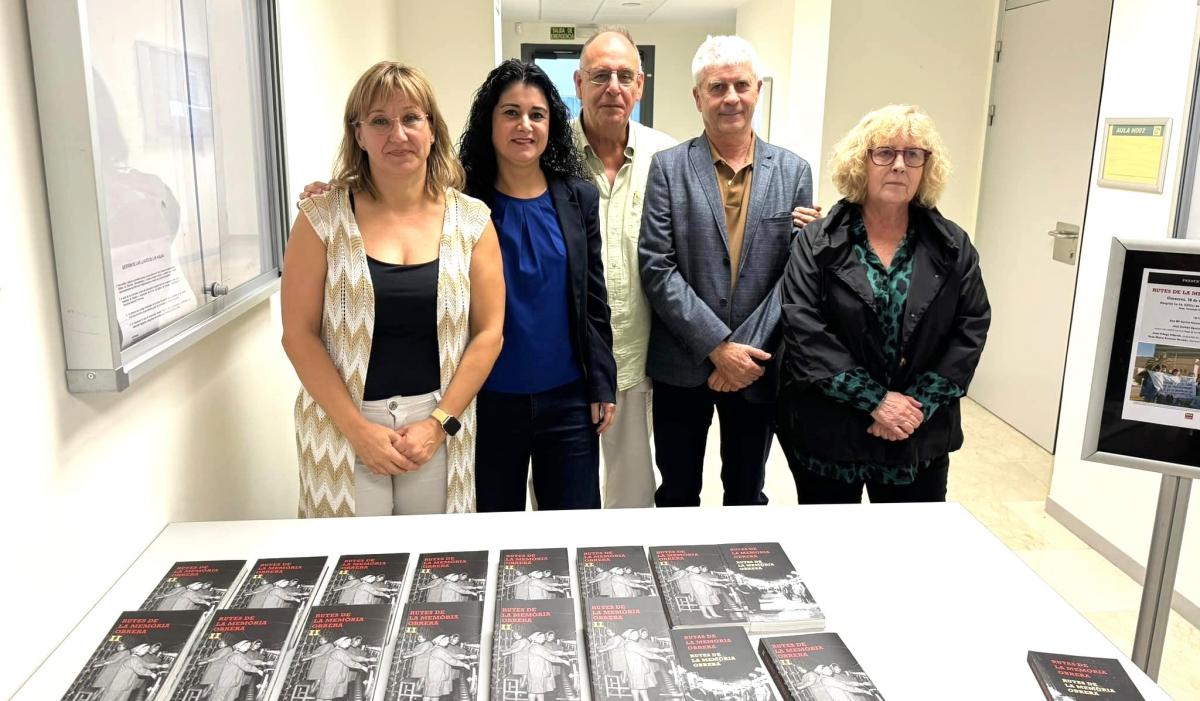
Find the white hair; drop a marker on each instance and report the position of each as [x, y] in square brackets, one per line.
[725, 51]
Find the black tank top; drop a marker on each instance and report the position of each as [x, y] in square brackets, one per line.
[404, 344]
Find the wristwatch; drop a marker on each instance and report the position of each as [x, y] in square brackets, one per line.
[450, 424]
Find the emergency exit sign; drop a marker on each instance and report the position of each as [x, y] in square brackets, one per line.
[562, 32]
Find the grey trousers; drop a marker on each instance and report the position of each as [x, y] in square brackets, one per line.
[422, 491]
[625, 447]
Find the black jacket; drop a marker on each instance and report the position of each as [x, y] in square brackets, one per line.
[830, 325]
[577, 203]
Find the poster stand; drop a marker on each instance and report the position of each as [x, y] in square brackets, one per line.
[1137, 416]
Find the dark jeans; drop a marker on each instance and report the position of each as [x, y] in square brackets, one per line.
[930, 485]
[682, 416]
[553, 428]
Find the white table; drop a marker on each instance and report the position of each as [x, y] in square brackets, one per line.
[931, 604]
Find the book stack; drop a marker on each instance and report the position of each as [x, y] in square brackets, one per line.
[341, 648]
[753, 585]
[243, 647]
[534, 648]
[816, 665]
[1073, 677]
[719, 663]
[628, 640]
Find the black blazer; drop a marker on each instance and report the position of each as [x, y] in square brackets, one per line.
[577, 203]
[830, 325]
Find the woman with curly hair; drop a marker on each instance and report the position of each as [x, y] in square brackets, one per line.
[551, 392]
[885, 316]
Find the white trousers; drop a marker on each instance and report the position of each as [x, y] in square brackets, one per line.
[625, 447]
[422, 491]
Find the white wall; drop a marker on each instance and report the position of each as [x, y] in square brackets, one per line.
[326, 49]
[1147, 73]
[674, 45]
[935, 53]
[93, 478]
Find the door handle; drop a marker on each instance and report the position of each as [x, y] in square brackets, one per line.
[1064, 231]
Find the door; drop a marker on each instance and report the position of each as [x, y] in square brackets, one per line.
[1036, 168]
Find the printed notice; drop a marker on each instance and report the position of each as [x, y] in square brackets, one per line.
[151, 289]
[1165, 362]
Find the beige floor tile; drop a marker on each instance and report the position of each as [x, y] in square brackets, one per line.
[1085, 579]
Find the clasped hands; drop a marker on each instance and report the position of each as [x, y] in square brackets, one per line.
[896, 417]
[737, 366]
[394, 452]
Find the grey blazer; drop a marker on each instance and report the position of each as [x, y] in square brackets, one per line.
[684, 256]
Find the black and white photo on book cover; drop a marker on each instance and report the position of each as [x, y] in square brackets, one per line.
[719, 664]
[279, 583]
[767, 585]
[1077, 678]
[620, 572]
[629, 650]
[535, 654]
[366, 579]
[338, 655]
[449, 577]
[137, 654]
[237, 657]
[194, 586]
[816, 667]
[533, 575]
[696, 586]
[437, 653]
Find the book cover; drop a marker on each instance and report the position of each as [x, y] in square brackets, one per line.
[533, 574]
[456, 576]
[719, 663]
[286, 582]
[237, 657]
[620, 572]
[767, 586]
[697, 587]
[194, 586]
[366, 579]
[1075, 678]
[136, 657]
[534, 651]
[338, 654]
[629, 650]
[437, 652]
[806, 666]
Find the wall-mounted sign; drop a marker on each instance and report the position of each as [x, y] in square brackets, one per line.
[566, 33]
[1135, 154]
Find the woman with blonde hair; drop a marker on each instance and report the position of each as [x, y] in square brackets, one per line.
[885, 316]
[393, 310]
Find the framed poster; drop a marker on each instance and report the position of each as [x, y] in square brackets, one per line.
[1144, 410]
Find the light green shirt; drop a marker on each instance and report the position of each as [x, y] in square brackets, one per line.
[620, 222]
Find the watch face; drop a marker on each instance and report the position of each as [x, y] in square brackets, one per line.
[451, 425]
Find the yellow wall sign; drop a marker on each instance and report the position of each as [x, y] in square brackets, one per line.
[1135, 154]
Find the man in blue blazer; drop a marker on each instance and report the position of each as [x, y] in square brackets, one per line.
[716, 227]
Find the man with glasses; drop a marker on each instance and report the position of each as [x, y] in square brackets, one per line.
[617, 153]
[715, 234]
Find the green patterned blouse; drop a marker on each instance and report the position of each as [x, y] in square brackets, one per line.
[856, 387]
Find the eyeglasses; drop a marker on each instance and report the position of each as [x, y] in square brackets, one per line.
[886, 155]
[384, 125]
[625, 77]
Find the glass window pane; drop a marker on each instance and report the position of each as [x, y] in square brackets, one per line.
[145, 160]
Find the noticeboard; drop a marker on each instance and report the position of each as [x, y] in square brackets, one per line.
[1145, 410]
[1134, 155]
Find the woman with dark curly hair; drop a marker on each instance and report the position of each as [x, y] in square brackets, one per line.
[551, 392]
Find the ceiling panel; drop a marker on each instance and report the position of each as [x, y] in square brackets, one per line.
[616, 12]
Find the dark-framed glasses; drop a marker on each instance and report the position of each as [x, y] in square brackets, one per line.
[601, 76]
[380, 124]
[886, 155]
